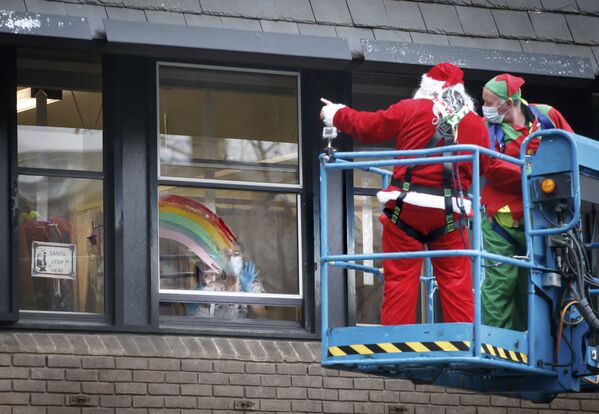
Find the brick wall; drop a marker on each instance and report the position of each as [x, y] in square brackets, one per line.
[102, 374]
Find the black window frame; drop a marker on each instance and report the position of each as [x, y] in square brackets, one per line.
[297, 189]
[54, 317]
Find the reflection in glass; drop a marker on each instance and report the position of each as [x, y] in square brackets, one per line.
[228, 125]
[193, 233]
[230, 311]
[368, 236]
[61, 224]
[224, 241]
[59, 128]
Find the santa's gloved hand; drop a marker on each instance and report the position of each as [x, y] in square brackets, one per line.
[328, 111]
[248, 275]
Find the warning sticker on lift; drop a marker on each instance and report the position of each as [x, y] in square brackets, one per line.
[436, 346]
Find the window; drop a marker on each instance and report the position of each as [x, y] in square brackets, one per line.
[229, 194]
[60, 243]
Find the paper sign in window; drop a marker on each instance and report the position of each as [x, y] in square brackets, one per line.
[53, 260]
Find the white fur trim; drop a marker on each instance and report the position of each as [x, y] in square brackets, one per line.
[424, 200]
[329, 111]
[429, 87]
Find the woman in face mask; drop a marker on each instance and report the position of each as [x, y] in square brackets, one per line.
[510, 120]
[238, 275]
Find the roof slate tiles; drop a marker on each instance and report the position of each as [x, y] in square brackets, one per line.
[316, 30]
[371, 13]
[546, 26]
[524, 4]
[429, 39]
[477, 21]
[404, 15]
[221, 7]
[157, 16]
[550, 26]
[513, 24]
[588, 6]
[256, 9]
[14, 5]
[203, 20]
[44, 6]
[279, 27]
[441, 18]
[331, 11]
[585, 29]
[183, 6]
[560, 5]
[392, 35]
[241, 23]
[294, 10]
[118, 13]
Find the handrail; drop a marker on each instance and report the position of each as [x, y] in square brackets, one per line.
[339, 162]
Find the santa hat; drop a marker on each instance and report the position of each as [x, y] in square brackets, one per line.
[447, 73]
[439, 77]
[506, 86]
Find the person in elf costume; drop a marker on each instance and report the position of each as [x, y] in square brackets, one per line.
[424, 203]
[510, 120]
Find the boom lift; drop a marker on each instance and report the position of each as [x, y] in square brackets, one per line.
[558, 352]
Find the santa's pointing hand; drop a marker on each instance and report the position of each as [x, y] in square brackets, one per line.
[328, 111]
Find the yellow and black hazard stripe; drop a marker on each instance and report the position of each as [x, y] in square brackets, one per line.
[506, 354]
[436, 346]
[396, 347]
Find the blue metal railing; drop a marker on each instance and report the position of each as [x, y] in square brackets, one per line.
[346, 161]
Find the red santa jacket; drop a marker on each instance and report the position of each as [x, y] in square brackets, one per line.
[504, 187]
[410, 123]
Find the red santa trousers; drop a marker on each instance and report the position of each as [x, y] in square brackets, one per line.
[402, 277]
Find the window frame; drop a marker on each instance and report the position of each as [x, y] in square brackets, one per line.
[28, 316]
[297, 189]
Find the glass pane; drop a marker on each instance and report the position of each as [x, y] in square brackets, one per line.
[228, 125]
[368, 236]
[368, 179]
[231, 311]
[61, 244]
[371, 93]
[59, 112]
[217, 240]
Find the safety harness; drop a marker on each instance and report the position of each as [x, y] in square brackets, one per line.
[496, 133]
[496, 137]
[445, 132]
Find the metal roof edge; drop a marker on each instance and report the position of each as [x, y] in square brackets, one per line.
[478, 59]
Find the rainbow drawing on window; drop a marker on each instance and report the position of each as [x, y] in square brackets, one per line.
[193, 225]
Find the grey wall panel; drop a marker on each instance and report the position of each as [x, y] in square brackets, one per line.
[37, 24]
[478, 59]
[215, 39]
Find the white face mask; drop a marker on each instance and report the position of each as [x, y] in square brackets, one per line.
[492, 114]
[234, 265]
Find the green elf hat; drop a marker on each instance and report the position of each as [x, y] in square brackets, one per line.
[506, 86]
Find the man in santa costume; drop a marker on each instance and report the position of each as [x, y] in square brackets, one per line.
[511, 120]
[425, 203]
